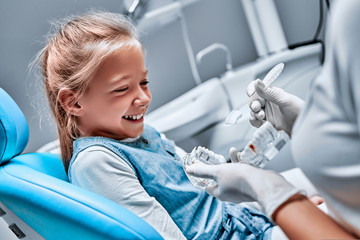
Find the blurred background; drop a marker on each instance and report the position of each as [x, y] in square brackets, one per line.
[173, 32]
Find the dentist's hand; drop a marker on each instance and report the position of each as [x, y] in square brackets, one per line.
[274, 105]
[239, 182]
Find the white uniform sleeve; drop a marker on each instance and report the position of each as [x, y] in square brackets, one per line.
[346, 37]
[101, 171]
[353, 70]
[326, 138]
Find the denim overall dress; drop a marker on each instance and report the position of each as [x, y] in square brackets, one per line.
[159, 170]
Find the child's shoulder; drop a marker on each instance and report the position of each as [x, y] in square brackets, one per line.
[93, 153]
[150, 130]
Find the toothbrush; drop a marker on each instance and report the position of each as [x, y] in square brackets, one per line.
[236, 114]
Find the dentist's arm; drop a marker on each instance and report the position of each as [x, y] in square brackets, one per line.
[274, 105]
[286, 205]
[299, 218]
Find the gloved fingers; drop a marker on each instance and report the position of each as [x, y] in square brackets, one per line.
[238, 156]
[255, 122]
[255, 106]
[260, 115]
[235, 155]
[217, 191]
[233, 152]
[272, 94]
[262, 101]
[213, 190]
[259, 100]
[202, 170]
[250, 90]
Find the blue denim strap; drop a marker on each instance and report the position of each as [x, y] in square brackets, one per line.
[224, 229]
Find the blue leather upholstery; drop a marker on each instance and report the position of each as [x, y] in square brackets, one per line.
[14, 131]
[35, 187]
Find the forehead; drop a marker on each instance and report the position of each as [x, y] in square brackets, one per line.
[127, 61]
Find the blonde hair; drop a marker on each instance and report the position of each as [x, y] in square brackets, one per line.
[71, 58]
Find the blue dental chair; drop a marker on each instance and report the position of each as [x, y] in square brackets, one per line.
[35, 188]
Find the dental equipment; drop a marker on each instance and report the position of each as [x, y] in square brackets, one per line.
[236, 114]
[265, 144]
[137, 10]
[265, 26]
[213, 47]
[203, 155]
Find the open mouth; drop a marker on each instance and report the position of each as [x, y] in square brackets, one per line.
[134, 118]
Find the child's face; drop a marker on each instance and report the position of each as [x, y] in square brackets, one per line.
[118, 97]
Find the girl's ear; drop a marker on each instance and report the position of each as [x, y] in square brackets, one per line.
[69, 101]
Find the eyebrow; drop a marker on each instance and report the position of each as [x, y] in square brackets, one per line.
[118, 79]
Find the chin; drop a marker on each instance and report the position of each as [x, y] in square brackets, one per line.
[138, 132]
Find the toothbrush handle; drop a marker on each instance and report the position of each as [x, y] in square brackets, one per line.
[235, 114]
[268, 79]
[246, 102]
[273, 74]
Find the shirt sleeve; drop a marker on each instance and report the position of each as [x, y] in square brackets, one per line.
[346, 35]
[99, 170]
[354, 63]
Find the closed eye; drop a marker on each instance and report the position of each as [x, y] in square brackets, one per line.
[144, 83]
[121, 90]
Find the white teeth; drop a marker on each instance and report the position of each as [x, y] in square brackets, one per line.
[134, 117]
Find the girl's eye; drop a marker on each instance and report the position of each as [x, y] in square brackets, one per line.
[144, 83]
[121, 89]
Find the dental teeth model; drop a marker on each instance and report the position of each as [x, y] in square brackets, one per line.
[204, 155]
[264, 146]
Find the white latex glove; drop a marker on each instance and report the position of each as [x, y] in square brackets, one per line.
[239, 182]
[274, 105]
[235, 155]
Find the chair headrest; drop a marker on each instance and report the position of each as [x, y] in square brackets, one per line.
[14, 130]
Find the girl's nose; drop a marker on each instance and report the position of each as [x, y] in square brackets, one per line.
[143, 98]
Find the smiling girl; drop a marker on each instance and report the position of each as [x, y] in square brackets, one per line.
[96, 83]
